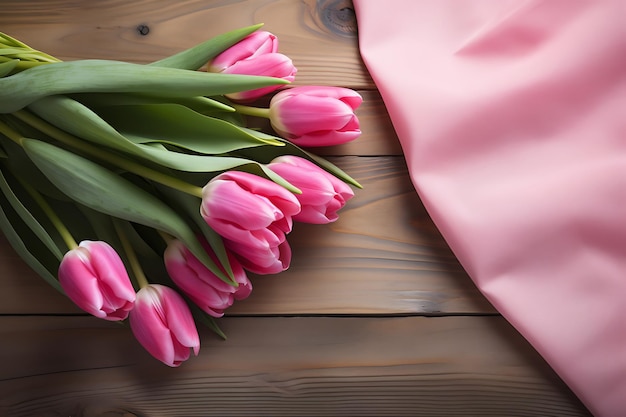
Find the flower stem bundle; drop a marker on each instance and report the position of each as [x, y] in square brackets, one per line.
[140, 191]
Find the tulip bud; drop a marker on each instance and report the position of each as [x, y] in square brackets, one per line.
[94, 277]
[253, 215]
[323, 194]
[256, 54]
[162, 323]
[316, 116]
[201, 285]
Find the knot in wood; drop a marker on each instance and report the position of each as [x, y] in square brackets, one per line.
[143, 30]
[338, 16]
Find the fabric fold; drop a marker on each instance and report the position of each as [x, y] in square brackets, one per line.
[512, 119]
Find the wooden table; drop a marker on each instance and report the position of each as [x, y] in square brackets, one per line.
[375, 317]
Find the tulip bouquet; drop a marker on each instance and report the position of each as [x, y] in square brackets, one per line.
[141, 192]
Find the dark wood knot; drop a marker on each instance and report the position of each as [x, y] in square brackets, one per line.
[338, 16]
[143, 30]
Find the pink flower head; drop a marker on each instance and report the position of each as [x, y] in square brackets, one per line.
[316, 116]
[162, 323]
[201, 285]
[253, 215]
[256, 54]
[94, 277]
[256, 44]
[323, 194]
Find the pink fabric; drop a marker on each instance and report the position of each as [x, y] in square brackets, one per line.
[512, 118]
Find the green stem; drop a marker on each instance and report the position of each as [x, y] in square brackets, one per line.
[10, 133]
[167, 238]
[9, 41]
[252, 111]
[114, 159]
[135, 266]
[24, 65]
[54, 218]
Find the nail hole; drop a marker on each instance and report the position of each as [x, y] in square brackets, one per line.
[143, 30]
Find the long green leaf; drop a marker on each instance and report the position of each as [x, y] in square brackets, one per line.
[20, 53]
[196, 56]
[100, 189]
[77, 119]
[177, 125]
[31, 255]
[93, 75]
[22, 167]
[7, 67]
[198, 103]
[27, 217]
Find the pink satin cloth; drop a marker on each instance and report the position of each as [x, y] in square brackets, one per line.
[512, 119]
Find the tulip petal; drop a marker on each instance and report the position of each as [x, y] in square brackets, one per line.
[162, 323]
[269, 261]
[110, 269]
[148, 324]
[253, 45]
[302, 114]
[179, 318]
[79, 282]
[326, 138]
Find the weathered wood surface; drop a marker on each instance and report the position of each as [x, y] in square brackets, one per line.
[301, 366]
[343, 332]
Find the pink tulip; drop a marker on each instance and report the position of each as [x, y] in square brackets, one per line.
[94, 277]
[201, 285]
[316, 116]
[253, 215]
[323, 194]
[162, 323]
[256, 54]
[256, 44]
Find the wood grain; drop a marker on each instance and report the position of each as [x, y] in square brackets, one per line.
[403, 366]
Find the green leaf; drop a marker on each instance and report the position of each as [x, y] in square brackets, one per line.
[21, 55]
[102, 190]
[198, 103]
[29, 219]
[26, 248]
[93, 75]
[207, 320]
[22, 167]
[195, 57]
[177, 125]
[7, 67]
[79, 120]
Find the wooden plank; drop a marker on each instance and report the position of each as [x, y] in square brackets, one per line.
[402, 366]
[323, 48]
[383, 256]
